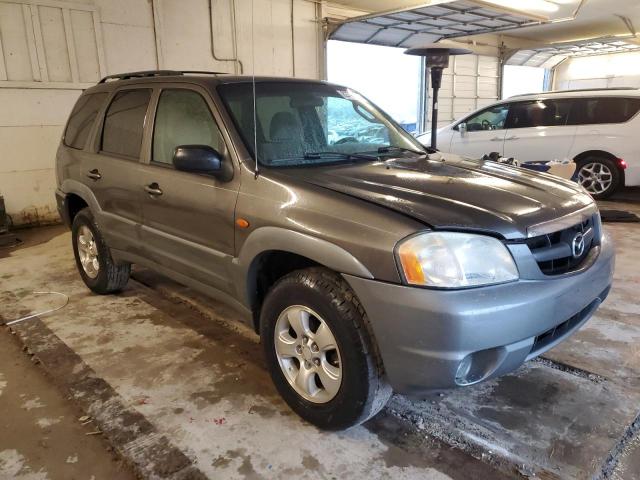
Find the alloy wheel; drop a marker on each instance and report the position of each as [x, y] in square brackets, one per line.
[88, 252]
[595, 177]
[308, 354]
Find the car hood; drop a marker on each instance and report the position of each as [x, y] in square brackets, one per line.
[446, 191]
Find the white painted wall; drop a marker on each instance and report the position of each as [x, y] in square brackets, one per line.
[50, 50]
[601, 71]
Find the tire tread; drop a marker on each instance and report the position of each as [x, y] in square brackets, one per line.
[351, 310]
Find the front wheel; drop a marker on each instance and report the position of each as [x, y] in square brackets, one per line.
[320, 350]
[599, 176]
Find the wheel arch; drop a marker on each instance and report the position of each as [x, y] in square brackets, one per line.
[269, 253]
[78, 196]
[74, 203]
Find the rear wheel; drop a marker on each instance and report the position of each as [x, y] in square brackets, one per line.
[320, 350]
[599, 176]
[93, 258]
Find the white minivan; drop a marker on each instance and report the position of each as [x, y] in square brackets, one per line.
[598, 129]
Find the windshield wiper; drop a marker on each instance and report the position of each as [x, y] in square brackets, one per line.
[341, 155]
[391, 148]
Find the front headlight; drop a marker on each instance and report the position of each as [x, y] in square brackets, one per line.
[455, 260]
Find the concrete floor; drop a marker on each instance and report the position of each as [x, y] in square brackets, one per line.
[180, 391]
[42, 436]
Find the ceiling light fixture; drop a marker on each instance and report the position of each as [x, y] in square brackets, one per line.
[532, 6]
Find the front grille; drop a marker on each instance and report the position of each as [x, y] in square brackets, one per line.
[545, 340]
[554, 252]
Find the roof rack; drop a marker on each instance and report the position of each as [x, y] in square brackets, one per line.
[551, 92]
[155, 73]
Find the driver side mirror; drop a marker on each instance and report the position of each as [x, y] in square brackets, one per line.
[197, 159]
[462, 128]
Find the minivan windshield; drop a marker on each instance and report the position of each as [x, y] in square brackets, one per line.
[306, 124]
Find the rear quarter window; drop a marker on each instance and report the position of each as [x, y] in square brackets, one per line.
[124, 123]
[81, 120]
[590, 111]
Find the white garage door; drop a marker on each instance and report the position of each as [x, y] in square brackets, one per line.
[602, 71]
[470, 82]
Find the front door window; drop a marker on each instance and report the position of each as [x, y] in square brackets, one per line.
[493, 118]
[183, 118]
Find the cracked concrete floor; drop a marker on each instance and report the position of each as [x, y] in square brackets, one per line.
[202, 385]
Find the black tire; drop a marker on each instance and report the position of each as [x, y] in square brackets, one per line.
[607, 163]
[363, 391]
[111, 276]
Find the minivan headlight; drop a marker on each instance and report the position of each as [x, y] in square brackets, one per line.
[455, 260]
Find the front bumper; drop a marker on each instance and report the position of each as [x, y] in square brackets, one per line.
[425, 335]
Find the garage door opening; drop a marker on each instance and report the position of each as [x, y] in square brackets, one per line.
[517, 80]
[385, 75]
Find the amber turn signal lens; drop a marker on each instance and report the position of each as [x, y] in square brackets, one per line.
[411, 266]
[242, 223]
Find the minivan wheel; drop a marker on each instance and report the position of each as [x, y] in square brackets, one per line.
[599, 176]
[93, 258]
[320, 350]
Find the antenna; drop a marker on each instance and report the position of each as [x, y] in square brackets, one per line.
[256, 170]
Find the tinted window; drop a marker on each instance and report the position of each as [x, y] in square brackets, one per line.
[81, 119]
[124, 123]
[539, 113]
[183, 118]
[588, 111]
[492, 118]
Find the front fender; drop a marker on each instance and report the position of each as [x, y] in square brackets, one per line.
[265, 239]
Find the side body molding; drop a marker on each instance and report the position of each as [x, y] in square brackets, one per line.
[266, 239]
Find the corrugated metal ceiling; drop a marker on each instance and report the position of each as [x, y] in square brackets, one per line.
[409, 28]
[551, 55]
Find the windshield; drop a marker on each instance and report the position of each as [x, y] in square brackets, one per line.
[312, 123]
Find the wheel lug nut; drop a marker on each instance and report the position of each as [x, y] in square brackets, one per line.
[314, 347]
[316, 362]
[298, 349]
[307, 365]
[305, 338]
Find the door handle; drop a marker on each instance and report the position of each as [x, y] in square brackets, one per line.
[153, 189]
[513, 137]
[497, 139]
[94, 174]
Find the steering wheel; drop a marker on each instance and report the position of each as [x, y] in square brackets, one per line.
[486, 125]
[346, 140]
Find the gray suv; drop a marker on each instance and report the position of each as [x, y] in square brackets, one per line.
[366, 263]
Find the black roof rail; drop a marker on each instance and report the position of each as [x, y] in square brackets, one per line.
[155, 73]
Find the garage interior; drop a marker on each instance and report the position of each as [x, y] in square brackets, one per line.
[161, 381]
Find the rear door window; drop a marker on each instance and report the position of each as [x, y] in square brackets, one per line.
[81, 119]
[124, 123]
[590, 111]
[539, 113]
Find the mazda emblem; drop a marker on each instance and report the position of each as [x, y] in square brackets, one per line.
[577, 245]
